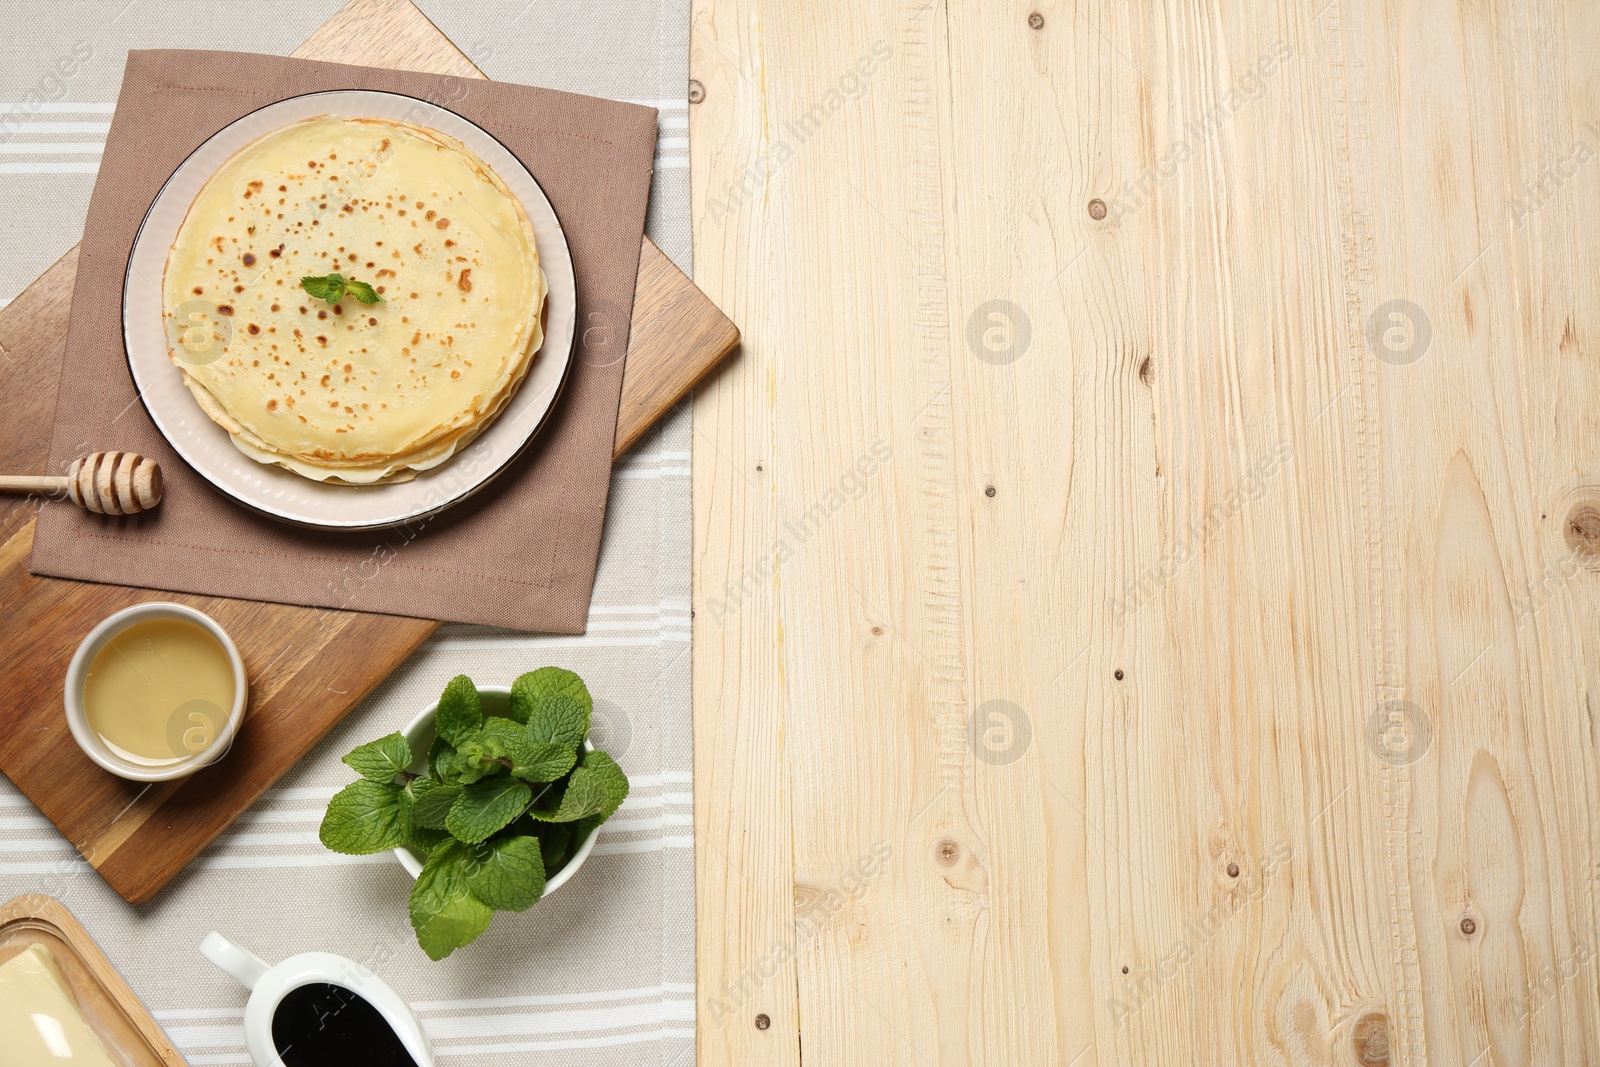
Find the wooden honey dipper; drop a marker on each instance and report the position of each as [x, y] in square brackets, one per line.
[107, 483]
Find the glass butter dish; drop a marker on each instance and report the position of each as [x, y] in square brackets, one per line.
[61, 1000]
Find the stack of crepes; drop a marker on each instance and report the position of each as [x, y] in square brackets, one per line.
[341, 390]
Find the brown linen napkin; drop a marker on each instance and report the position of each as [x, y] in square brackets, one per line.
[522, 552]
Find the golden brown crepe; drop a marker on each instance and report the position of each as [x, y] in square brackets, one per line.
[354, 392]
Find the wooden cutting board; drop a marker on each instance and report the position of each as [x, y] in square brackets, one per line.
[308, 667]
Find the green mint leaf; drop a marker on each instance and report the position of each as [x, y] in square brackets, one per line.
[543, 762]
[583, 828]
[440, 753]
[453, 767]
[470, 748]
[560, 720]
[547, 801]
[460, 710]
[499, 739]
[581, 796]
[484, 808]
[532, 696]
[612, 780]
[472, 760]
[425, 839]
[596, 787]
[585, 796]
[381, 760]
[329, 287]
[444, 913]
[474, 768]
[432, 802]
[366, 817]
[555, 844]
[364, 292]
[508, 873]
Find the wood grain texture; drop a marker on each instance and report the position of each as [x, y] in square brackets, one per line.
[308, 667]
[670, 317]
[101, 992]
[1214, 654]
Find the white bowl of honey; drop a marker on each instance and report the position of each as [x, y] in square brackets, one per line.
[155, 692]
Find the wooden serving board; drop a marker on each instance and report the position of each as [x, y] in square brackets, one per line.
[123, 1023]
[308, 667]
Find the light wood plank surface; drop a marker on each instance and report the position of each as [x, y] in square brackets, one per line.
[1207, 675]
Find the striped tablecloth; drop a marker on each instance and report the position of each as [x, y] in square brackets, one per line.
[600, 973]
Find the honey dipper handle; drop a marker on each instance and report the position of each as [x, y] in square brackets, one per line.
[13, 483]
[106, 483]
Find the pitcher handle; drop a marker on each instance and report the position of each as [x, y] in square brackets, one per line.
[245, 966]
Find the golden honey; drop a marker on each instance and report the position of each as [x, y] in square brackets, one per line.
[159, 692]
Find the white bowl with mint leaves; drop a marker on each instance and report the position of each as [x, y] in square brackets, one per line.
[491, 798]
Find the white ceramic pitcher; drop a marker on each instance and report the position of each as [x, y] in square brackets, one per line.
[269, 985]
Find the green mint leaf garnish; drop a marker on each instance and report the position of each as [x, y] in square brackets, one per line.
[366, 817]
[507, 874]
[381, 760]
[333, 287]
[444, 912]
[460, 710]
[329, 287]
[555, 705]
[543, 762]
[486, 807]
[363, 292]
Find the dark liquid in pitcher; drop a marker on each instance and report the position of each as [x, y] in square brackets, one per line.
[330, 1026]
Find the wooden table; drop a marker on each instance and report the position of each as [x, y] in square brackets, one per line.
[1208, 674]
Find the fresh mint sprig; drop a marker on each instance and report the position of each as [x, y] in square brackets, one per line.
[333, 287]
[505, 803]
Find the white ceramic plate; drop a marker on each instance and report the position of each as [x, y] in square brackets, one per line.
[272, 490]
